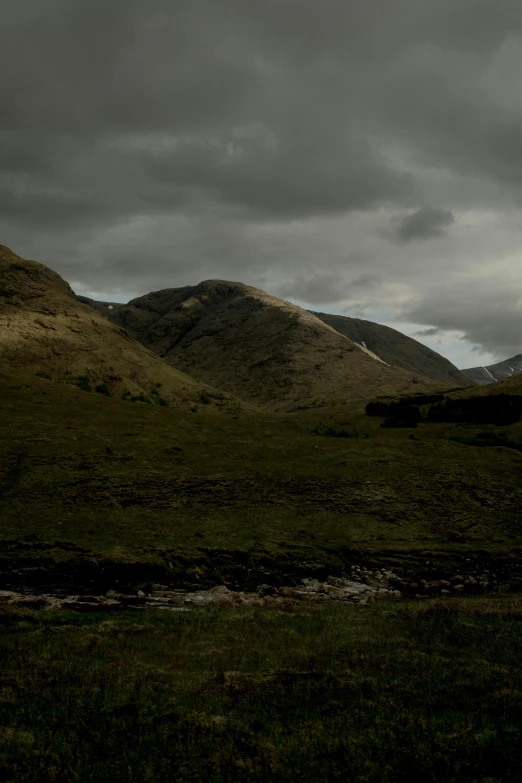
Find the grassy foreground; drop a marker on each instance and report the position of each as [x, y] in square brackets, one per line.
[418, 692]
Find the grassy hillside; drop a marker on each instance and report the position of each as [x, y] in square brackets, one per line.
[264, 350]
[43, 328]
[512, 385]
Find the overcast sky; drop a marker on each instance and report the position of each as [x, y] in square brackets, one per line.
[354, 156]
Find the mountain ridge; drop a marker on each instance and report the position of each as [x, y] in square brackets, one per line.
[396, 348]
[493, 373]
[265, 350]
[382, 342]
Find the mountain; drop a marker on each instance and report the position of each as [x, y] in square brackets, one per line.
[396, 348]
[264, 350]
[511, 385]
[44, 329]
[495, 372]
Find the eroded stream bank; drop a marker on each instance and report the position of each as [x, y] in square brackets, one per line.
[31, 575]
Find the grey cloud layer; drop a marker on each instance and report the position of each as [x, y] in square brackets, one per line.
[491, 318]
[425, 223]
[153, 144]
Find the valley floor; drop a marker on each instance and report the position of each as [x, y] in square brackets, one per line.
[107, 504]
[90, 484]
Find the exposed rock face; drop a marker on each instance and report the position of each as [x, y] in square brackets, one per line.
[263, 350]
[397, 349]
[44, 328]
[495, 372]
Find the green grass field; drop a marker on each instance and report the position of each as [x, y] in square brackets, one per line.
[132, 482]
[392, 693]
[388, 694]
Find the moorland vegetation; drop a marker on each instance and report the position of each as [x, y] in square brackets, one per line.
[117, 469]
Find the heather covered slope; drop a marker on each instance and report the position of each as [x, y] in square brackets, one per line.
[43, 328]
[397, 349]
[264, 350]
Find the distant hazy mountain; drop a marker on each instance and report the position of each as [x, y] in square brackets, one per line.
[396, 348]
[495, 372]
[263, 350]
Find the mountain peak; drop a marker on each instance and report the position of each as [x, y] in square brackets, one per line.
[6, 253]
[262, 349]
[23, 282]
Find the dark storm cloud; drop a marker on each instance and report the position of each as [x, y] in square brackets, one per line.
[275, 183]
[198, 75]
[430, 332]
[187, 138]
[365, 282]
[490, 318]
[313, 80]
[329, 288]
[425, 223]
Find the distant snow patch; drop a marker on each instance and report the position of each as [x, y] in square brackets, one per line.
[488, 372]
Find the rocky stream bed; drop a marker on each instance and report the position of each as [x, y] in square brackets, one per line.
[362, 586]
